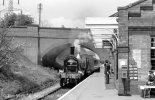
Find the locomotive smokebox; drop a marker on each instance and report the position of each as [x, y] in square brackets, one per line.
[72, 50]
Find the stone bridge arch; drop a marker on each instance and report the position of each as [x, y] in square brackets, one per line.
[50, 40]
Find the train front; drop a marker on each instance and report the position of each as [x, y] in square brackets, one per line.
[71, 72]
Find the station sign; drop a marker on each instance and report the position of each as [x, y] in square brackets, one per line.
[123, 49]
[106, 44]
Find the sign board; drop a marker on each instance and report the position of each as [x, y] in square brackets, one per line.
[106, 43]
[137, 57]
[133, 72]
[123, 49]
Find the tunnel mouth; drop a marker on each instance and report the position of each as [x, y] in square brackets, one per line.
[49, 59]
[54, 58]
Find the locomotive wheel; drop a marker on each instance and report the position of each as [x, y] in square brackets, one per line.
[62, 82]
[76, 81]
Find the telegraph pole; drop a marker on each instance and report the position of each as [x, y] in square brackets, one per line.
[40, 8]
[39, 52]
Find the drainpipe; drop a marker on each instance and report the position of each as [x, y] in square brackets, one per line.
[128, 78]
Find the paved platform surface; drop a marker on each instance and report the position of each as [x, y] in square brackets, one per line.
[93, 88]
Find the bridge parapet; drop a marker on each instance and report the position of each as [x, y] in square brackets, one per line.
[47, 38]
[23, 32]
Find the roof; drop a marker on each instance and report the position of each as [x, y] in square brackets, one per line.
[114, 15]
[100, 20]
[127, 7]
[132, 4]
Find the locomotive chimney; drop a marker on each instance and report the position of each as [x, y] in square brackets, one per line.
[72, 50]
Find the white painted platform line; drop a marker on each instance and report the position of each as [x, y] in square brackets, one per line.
[72, 89]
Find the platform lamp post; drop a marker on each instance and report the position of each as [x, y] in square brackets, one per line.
[126, 79]
[115, 37]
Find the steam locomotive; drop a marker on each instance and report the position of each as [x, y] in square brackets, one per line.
[75, 69]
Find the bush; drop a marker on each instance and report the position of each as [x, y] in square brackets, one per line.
[20, 79]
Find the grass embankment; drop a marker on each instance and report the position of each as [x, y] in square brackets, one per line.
[26, 77]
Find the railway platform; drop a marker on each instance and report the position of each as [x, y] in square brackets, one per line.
[94, 88]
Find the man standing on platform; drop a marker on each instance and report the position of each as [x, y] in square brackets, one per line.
[107, 71]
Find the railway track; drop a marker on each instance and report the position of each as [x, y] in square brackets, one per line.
[57, 93]
[60, 91]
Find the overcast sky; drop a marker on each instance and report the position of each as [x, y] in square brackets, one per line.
[70, 13]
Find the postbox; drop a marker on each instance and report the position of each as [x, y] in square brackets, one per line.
[124, 71]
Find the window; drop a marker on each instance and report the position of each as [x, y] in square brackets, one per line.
[152, 41]
[153, 53]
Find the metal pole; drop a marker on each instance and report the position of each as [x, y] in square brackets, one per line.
[10, 7]
[116, 60]
[116, 39]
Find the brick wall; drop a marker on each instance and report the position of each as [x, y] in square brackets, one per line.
[140, 40]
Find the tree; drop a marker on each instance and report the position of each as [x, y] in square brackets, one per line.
[8, 53]
[23, 20]
[16, 20]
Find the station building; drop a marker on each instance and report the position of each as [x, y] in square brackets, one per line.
[133, 46]
[136, 48]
